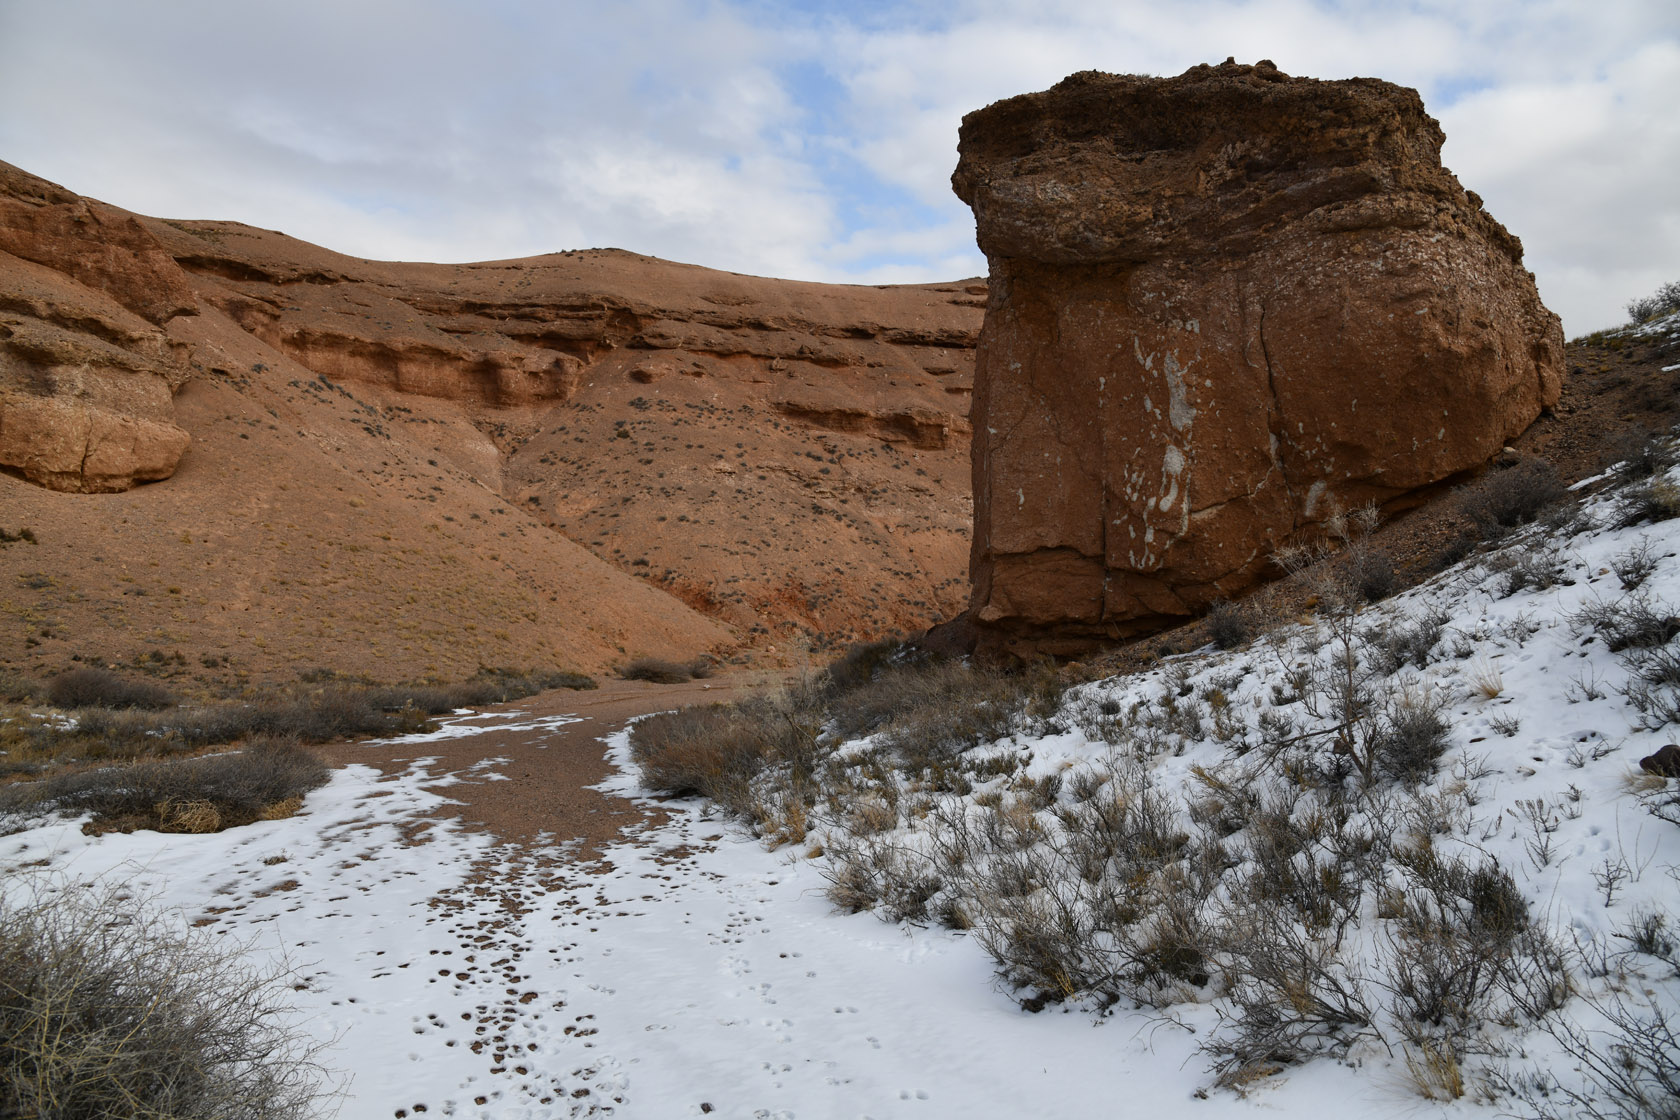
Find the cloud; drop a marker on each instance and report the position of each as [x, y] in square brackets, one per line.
[811, 140]
[1585, 172]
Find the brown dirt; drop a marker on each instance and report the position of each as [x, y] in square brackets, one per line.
[551, 771]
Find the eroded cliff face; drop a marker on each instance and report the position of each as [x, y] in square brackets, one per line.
[87, 377]
[1222, 307]
[587, 455]
[775, 454]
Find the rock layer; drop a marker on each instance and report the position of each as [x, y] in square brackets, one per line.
[1222, 307]
[87, 378]
[778, 455]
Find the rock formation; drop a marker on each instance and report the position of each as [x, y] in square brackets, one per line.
[412, 469]
[773, 453]
[1222, 307]
[87, 376]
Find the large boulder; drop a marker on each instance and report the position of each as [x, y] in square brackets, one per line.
[1223, 306]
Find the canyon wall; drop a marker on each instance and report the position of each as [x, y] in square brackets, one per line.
[225, 439]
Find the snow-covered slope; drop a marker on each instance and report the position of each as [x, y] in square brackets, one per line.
[695, 973]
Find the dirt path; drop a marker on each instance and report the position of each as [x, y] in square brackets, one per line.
[532, 776]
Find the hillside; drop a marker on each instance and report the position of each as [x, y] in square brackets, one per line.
[406, 470]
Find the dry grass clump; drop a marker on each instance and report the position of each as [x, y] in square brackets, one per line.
[178, 795]
[1503, 499]
[717, 751]
[110, 1008]
[660, 671]
[95, 688]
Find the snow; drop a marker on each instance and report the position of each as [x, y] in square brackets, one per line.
[670, 981]
[692, 972]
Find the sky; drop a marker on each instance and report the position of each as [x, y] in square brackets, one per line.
[801, 139]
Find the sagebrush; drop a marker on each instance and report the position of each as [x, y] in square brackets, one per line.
[111, 1007]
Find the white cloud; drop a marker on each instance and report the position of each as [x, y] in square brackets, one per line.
[445, 130]
[1586, 173]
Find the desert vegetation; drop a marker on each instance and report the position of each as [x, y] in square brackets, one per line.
[111, 1007]
[1664, 301]
[1302, 827]
[659, 670]
[134, 755]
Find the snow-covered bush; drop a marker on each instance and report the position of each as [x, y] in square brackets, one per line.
[109, 1007]
[1664, 301]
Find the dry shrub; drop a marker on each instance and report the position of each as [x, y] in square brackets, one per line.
[899, 883]
[1664, 301]
[1656, 499]
[487, 686]
[656, 670]
[1294, 993]
[1398, 646]
[1535, 565]
[109, 1007]
[935, 711]
[1463, 951]
[1227, 625]
[1374, 575]
[1631, 1066]
[861, 664]
[1412, 736]
[1643, 633]
[711, 751]
[15, 688]
[327, 715]
[718, 750]
[1100, 903]
[95, 688]
[179, 795]
[1516, 495]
